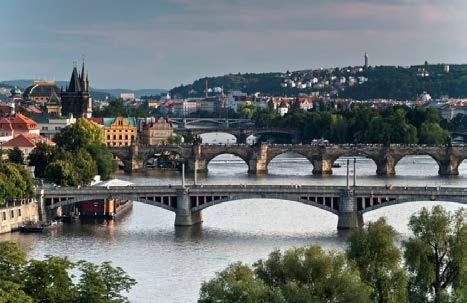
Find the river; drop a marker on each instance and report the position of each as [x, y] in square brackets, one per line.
[170, 263]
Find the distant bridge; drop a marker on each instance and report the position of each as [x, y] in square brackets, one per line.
[218, 122]
[241, 134]
[459, 135]
[322, 157]
[349, 204]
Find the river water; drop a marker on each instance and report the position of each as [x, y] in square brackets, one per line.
[170, 263]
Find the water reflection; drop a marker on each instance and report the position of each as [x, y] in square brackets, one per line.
[170, 262]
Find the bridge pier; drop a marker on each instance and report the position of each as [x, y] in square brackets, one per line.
[449, 168]
[348, 217]
[386, 166]
[198, 165]
[183, 214]
[241, 138]
[41, 205]
[258, 164]
[322, 167]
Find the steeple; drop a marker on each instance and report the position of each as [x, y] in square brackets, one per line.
[87, 83]
[75, 83]
[82, 71]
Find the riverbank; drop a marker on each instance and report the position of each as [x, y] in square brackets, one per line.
[15, 214]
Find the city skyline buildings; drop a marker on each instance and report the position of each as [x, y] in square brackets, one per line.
[161, 44]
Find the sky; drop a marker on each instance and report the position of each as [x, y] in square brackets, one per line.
[164, 43]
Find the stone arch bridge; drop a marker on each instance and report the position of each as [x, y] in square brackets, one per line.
[349, 204]
[322, 157]
[241, 134]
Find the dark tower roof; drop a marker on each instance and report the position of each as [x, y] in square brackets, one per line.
[75, 83]
[82, 72]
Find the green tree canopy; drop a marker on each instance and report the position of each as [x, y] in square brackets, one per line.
[16, 155]
[297, 275]
[52, 279]
[379, 261]
[434, 256]
[79, 135]
[15, 182]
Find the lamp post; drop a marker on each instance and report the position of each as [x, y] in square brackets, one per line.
[183, 175]
[348, 164]
[354, 172]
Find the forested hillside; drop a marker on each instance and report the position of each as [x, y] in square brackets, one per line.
[392, 82]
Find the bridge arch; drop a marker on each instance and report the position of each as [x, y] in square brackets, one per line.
[412, 164]
[341, 162]
[196, 207]
[149, 158]
[460, 201]
[245, 162]
[284, 157]
[212, 136]
[167, 203]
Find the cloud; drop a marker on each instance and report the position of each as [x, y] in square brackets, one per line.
[165, 42]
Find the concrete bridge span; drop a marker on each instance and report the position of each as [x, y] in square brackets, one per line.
[322, 157]
[349, 204]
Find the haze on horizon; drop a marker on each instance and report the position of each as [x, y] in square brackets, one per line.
[163, 43]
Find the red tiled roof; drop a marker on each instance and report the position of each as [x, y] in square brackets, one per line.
[27, 140]
[18, 122]
[97, 120]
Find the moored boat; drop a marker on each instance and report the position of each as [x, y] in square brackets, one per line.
[38, 227]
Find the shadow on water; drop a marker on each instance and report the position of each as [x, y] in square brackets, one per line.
[188, 233]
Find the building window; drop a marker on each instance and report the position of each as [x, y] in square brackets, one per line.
[126, 137]
[115, 137]
[19, 212]
[120, 137]
[12, 214]
[4, 216]
[108, 137]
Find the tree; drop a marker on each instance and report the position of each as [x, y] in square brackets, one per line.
[15, 155]
[311, 275]
[15, 182]
[104, 160]
[40, 157]
[84, 165]
[79, 135]
[103, 283]
[48, 280]
[62, 172]
[432, 133]
[12, 258]
[237, 284]
[175, 140]
[434, 256]
[378, 259]
[297, 275]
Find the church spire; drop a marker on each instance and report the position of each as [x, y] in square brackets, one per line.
[75, 83]
[82, 71]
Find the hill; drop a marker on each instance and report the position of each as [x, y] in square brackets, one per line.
[138, 92]
[393, 82]
[96, 93]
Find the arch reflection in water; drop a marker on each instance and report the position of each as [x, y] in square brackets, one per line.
[286, 163]
[414, 165]
[227, 164]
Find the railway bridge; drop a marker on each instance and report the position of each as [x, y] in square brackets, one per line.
[322, 157]
[348, 203]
